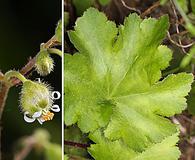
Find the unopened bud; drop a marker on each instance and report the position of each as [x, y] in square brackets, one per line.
[35, 97]
[44, 63]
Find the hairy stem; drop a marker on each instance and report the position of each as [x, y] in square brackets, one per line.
[5, 86]
[15, 74]
[55, 51]
[3, 96]
[51, 43]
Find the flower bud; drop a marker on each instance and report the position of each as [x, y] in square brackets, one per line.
[44, 63]
[35, 97]
[36, 102]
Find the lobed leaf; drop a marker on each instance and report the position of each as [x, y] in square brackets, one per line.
[113, 85]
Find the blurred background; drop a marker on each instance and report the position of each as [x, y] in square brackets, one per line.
[24, 25]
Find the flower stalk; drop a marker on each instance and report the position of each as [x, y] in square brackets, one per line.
[14, 74]
[55, 51]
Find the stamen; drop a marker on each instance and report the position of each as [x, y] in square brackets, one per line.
[47, 116]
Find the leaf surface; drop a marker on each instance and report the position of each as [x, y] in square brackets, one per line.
[113, 84]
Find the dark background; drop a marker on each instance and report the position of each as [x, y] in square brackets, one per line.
[24, 25]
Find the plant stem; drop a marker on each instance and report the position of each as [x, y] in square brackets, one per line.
[16, 74]
[51, 43]
[55, 51]
[3, 96]
[76, 144]
[150, 9]
[5, 86]
[181, 11]
[29, 143]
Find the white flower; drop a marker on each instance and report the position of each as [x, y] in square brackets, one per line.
[41, 116]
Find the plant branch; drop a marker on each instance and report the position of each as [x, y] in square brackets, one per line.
[73, 157]
[150, 9]
[25, 70]
[3, 96]
[177, 44]
[176, 24]
[51, 43]
[182, 13]
[130, 8]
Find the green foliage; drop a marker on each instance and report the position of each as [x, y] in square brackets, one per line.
[113, 92]
[116, 150]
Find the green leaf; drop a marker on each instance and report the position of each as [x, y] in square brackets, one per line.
[116, 150]
[143, 113]
[114, 85]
